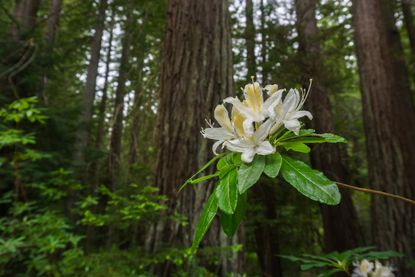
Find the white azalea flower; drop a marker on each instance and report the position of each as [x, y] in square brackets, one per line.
[363, 269]
[383, 271]
[253, 108]
[249, 146]
[223, 133]
[288, 111]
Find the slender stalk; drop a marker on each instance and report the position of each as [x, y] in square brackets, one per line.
[378, 192]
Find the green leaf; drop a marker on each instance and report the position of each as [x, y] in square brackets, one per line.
[227, 192]
[203, 168]
[230, 222]
[248, 174]
[297, 146]
[273, 165]
[310, 182]
[205, 219]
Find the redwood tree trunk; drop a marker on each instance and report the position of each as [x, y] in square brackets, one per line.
[25, 13]
[82, 135]
[118, 112]
[196, 73]
[389, 118]
[250, 38]
[341, 229]
[408, 18]
[52, 22]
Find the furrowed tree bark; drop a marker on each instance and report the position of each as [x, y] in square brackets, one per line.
[25, 13]
[388, 112]
[52, 22]
[263, 44]
[100, 135]
[250, 38]
[196, 73]
[408, 19]
[114, 159]
[341, 228]
[88, 96]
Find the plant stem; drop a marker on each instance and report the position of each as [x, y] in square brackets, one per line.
[378, 192]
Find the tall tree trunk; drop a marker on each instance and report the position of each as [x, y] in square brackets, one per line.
[135, 122]
[264, 44]
[250, 38]
[25, 13]
[266, 231]
[341, 229]
[82, 135]
[195, 74]
[408, 18]
[118, 112]
[388, 112]
[52, 22]
[99, 137]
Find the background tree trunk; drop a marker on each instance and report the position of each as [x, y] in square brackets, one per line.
[341, 229]
[25, 13]
[196, 73]
[408, 18]
[263, 44]
[118, 112]
[388, 113]
[52, 22]
[250, 38]
[88, 97]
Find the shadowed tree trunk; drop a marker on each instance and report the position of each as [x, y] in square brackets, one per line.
[388, 112]
[118, 112]
[25, 13]
[100, 135]
[250, 38]
[408, 18]
[88, 96]
[52, 22]
[263, 44]
[341, 228]
[266, 231]
[195, 74]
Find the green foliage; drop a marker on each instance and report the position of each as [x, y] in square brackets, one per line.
[310, 182]
[340, 261]
[248, 174]
[236, 178]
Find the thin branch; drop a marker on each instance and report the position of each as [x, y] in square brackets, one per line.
[378, 192]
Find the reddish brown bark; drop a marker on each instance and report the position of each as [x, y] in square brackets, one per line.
[88, 96]
[196, 73]
[388, 114]
[341, 229]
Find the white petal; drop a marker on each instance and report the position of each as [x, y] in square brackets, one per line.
[293, 125]
[237, 145]
[262, 132]
[272, 102]
[245, 111]
[217, 134]
[291, 101]
[248, 127]
[265, 148]
[300, 114]
[222, 117]
[248, 155]
[216, 145]
[271, 89]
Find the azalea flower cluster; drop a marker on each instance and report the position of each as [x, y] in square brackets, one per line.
[253, 121]
[369, 269]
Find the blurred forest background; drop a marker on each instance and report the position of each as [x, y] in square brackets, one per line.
[102, 101]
